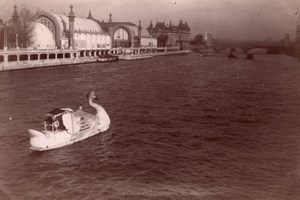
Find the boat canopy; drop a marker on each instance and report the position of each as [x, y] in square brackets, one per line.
[59, 119]
[58, 112]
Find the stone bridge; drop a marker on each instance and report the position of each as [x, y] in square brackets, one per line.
[245, 46]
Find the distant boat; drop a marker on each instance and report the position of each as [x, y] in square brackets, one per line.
[249, 56]
[64, 126]
[107, 58]
[135, 56]
[231, 55]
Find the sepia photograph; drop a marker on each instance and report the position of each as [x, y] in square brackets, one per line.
[149, 100]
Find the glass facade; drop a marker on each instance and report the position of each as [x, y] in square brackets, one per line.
[48, 23]
[121, 34]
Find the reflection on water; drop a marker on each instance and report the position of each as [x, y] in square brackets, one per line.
[183, 127]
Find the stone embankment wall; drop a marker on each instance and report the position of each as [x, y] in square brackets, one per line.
[44, 63]
[14, 60]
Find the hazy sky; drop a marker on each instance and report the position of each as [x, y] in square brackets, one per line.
[235, 19]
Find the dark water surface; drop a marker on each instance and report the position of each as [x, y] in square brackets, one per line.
[183, 127]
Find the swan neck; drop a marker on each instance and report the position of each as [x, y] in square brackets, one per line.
[92, 104]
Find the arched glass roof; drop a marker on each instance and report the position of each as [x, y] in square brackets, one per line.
[80, 24]
[42, 37]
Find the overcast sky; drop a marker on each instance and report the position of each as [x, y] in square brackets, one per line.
[235, 19]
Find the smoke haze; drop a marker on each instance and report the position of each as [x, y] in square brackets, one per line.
[230, 19]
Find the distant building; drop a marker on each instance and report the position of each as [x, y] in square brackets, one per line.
[171, 35]
[60, 31]
[72, 32]
[298, 30]
[126, 34]
[69, 31]
[208, 39]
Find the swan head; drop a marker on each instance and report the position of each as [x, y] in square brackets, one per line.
[91, 95]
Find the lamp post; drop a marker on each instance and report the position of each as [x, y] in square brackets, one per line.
[5, 37]
[118, 37]
[17, 43]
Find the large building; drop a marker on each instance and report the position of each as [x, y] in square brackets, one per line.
[61, 31]
[126, 34]
[69, 31]
[169, 35]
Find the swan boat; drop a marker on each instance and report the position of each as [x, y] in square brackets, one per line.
[65, 126]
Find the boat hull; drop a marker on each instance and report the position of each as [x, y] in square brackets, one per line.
[108, 59]
[43, 141]
[63, 126]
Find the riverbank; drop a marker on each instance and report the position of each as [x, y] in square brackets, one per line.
[26, 59]
[151, 55]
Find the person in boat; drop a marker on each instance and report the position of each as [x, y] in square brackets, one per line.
[64, 126]
[58, 122]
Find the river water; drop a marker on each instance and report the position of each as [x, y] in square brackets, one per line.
[182, 127]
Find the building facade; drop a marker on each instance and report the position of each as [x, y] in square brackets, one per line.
[89, 33]
[72, 32]
[169, 35]
[208, 39]
[61, 31]
[126, 34]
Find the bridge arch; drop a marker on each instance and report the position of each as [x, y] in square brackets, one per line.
[258, 50]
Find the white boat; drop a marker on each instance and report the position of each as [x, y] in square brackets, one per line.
[135, 56]
[107, 58]
[64, 126]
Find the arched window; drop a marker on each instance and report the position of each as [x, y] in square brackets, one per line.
[48, 23]
[121, 34]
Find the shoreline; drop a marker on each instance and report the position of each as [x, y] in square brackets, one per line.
[151, 55]
[17, 60]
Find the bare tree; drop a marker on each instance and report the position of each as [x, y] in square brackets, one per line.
[26, 26]
[20, 28]
[1, 34]
[11, 33]
[199, 39]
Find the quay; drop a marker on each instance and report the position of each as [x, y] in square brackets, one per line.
[151, 54]
[65, 39]
[25, 59]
